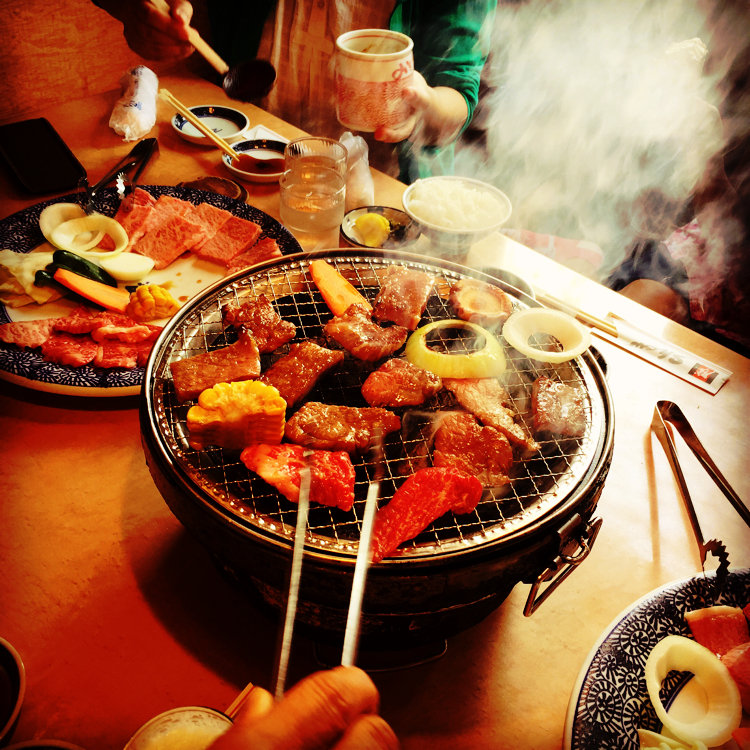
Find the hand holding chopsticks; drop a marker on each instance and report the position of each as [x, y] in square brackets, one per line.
[198, 123]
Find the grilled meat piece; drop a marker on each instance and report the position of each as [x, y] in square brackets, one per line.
[331, 473]
[238, 361]
[558, 408]
[480, 451]
[397, 382]
[259, 317]
[480, 303]
[362, 338]
[295, 374]
[487, 400]
[421, 499]
[347, 428]
[403, 296]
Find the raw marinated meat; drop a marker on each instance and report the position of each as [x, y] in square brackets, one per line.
[83, 320]
[265, 248]
[737, 661]
[236, 236]
[363, 338]
[718, 628]
[480, 451]
[348, 428]
[403, 296]
[331, 473]
[66, 349]
[421, 499]
[126, 334]
[558, 409]
[211, 218]
[116, 354]
[487, 400]
[239, 361]
[259, 318]
[295, 374]
[132, 215]
[28, 334]
[398, 382]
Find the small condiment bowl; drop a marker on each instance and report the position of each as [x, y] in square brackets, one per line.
[260, 151]
[229, 124]
[455, 212]
[403, 231]
[12, 688]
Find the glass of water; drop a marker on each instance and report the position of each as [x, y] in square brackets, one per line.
[313, 191]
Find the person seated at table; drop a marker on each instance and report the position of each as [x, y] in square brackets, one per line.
[334, 709]
[298, 37]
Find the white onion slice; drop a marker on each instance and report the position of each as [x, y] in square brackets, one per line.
[58, 213]
[649, 740]
[523, 325]
[66, 235]
[127, 267]
[724, 709]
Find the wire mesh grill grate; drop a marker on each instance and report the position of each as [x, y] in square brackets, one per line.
[538, 484]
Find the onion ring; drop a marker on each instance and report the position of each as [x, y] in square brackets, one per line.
[724, 709]
[64, 235]
[523, 325]
[487, 362]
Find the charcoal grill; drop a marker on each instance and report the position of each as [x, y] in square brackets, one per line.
[457, 570]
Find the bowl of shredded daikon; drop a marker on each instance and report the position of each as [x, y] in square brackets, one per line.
[454, 212]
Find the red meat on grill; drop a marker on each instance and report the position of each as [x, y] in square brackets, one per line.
[259, 318]
[397, 382]
[480, 451]
[403, 296]
[558, 409]
[363, 338]
[421, 499]
[295, 374]
[348, 428]
[331, 473]
[238, 361]
[487, 400]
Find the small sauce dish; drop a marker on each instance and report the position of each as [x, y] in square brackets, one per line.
[402, 230]
[229, 124]
[261, 160]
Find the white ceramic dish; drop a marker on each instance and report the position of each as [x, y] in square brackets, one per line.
[445, 208]
[403, 232]
[610, 702]
[187, 276]
[12, 688]
[262, 150]
[229, 124]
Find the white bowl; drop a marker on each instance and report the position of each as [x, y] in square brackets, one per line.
[261, 149]
[455, 212]
[229, 124]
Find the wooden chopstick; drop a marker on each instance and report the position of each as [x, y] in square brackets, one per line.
[196, 121]
[582, 315]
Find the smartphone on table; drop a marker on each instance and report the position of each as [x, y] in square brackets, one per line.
[38, 157]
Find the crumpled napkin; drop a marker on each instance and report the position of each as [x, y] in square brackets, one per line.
[134, 114]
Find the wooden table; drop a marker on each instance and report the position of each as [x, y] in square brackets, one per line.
[119, 614]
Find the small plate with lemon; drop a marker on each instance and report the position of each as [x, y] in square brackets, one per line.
[378, 226]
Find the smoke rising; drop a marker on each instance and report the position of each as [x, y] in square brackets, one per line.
[601, 116]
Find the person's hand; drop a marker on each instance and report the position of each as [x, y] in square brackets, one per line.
[154, 34]
[330, 710]
[434, 116]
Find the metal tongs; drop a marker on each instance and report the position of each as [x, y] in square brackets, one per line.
[136, 159]
[668, 414]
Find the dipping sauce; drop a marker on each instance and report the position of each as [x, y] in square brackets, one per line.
[249, 162]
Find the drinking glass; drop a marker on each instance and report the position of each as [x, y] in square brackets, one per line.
[313, 190]
[184, 728]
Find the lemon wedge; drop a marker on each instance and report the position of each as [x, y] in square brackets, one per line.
[372, 229]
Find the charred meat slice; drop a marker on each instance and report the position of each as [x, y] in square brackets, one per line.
[348, 428]
[421, 499]
[259, 317]
[480, 451]
[558, 408]
[295, 374]
[331, 473]
[487, 400]
[398, 382]
[238, 361]
[403, 296]
[362, 338]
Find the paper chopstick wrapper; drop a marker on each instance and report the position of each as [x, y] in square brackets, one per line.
[134, 114]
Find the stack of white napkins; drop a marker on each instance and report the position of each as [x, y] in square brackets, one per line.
[261, 131]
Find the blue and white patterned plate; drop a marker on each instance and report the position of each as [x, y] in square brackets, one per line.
[20, 232]
[610, 702]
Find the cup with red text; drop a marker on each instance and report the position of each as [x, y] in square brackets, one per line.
[373, 66]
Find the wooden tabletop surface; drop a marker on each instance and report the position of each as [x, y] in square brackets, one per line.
[119, 613]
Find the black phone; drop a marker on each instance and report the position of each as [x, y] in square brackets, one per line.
[39, 157]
